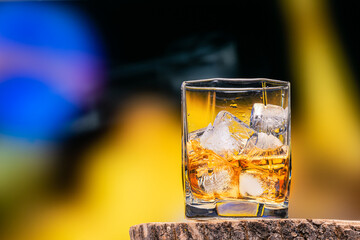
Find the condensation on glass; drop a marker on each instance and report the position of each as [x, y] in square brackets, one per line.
[236, 159]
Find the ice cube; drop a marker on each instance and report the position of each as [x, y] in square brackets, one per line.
[217, 181]
[267, 141]
[262, 145]
[195, 135]
[212, 177]
[249, 185]
[228, 134]
[269, 119]
[262, 141]
[218, 139]
[263, 185]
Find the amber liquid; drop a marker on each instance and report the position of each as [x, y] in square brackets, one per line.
[259, 175]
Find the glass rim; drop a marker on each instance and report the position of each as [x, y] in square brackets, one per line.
[279, 84]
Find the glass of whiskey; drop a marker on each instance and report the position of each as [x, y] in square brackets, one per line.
[236, 159]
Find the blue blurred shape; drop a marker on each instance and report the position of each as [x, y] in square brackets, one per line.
[46, 25]
[31, 109]
[49, 68]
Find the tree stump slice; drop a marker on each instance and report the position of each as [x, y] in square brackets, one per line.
[249, 229]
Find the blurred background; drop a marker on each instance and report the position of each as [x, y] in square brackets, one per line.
[90, 124]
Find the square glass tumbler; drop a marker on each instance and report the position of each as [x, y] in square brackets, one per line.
[236, 159]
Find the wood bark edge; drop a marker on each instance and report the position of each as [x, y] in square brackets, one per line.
[249, 229]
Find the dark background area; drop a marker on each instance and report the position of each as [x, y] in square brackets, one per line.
[148, 46]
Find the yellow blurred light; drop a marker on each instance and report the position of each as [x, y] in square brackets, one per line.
[330, 114]
[326, 132]
[133, 176]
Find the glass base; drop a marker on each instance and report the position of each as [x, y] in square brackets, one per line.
[236, 209]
